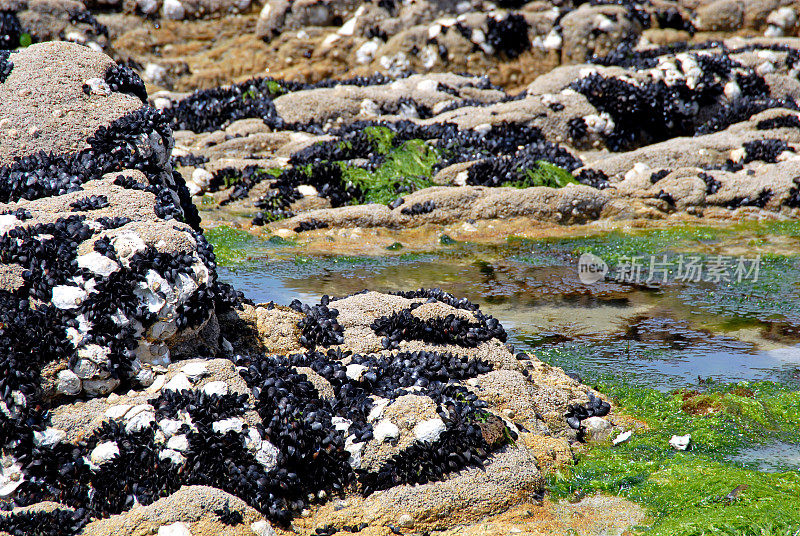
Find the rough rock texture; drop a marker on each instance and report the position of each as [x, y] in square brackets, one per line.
[641, 133]
[112, 264]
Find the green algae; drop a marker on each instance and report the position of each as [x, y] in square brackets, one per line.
[687, 493]
[381, 137]
[770, 294]
[544, 174]
[406, 169]
[234, 247]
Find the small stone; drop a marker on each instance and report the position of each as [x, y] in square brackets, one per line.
[179, 443]
[97, 263]
[11, 477]
[98, 86]
[68, 297]
[175, 529]
[173, 9]
[262, 528]
[170, 427]
[49, 438]
[118, 411]
[267, 455]
[157, 384]
[341, 424]
[226, 425]
[68, 383]
[597, 429]
[169, 454]
[100, 387]
[680, 442]
[621, 438]
[104, 452]
[195, 371]
[429, 431]
[386, 430]
[140, 422]
[85, 369]
[218, 388]
[355, 371]
[179, 382]
[405, 520]
[307, 190]
[145, 377]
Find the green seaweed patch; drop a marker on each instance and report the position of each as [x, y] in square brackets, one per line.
[234, 247]
[273, 89]
[773, 295]
[382, 138]
[406, 169]
[445, 240]
[544, 174]
[616, 245]
[699, 491]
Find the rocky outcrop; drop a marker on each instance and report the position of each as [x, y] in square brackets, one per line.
[27, 21]
[641, 133]
[101, 247]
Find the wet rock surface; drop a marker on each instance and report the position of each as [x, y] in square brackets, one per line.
[142, 396]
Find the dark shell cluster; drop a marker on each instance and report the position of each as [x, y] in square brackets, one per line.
[656, 111]
[501, 161]
[10, 30]
[419, 208]
[595, 407]
[50, 316]
[319, 327]
[5, 65]
[404, 326]
[311, 461]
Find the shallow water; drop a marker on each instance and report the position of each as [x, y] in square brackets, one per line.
[773, 457]
[672, 337]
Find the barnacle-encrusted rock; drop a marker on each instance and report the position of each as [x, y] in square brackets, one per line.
[642, 132]
[109, 270]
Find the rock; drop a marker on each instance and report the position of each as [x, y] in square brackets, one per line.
[191, 505]
[593, 30]
[262, 528]
[218, 388]
[49, 438]
[621, 438]
[104, 453]
[386, 431]
[429, 431]
[227, 425]
[174, 529]
[721, 15]
[140, 421]
[118, 219]
[11, 476]
[194, 371]
[68, 383]
[179, 382]
[598, 430]
[680, 442]
[355, 371]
